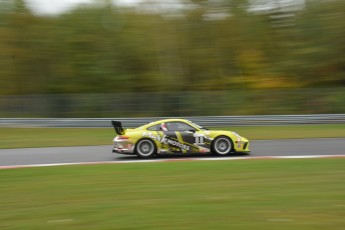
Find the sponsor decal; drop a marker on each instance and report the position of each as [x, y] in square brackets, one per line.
[176, 144]
[152, 136]
[166, 140]
[204, 150]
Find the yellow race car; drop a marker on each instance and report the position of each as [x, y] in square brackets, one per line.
[176, 136]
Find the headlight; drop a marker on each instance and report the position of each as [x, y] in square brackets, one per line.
[236, 134]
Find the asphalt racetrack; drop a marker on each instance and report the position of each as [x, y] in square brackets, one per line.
[260, 148]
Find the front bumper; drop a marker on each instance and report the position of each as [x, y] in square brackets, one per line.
[242, 146]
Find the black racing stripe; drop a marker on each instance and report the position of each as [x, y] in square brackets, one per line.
[171, 135]
[188, 139]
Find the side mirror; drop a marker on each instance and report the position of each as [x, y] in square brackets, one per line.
[191, 131]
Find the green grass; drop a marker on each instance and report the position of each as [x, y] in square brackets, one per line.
[45, 137]
[246, 194]
[49, 137]
[291, 131]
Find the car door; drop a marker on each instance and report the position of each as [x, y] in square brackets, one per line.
[199, 140]
[183, 134]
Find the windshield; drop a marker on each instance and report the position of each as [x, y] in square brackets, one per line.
[198, 126]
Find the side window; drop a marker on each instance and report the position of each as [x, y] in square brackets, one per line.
[179, 126]
[155, 127]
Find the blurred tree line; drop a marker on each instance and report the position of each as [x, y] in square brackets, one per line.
[190, 46]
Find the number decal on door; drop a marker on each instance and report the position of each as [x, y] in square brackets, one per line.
[199, 140]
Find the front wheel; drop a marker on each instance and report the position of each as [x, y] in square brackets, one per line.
[145, 148]
[222, 146]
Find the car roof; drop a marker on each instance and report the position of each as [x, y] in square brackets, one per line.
[165, 120]
[171, 119]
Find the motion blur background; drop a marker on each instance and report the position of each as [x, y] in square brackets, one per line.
[173, 58]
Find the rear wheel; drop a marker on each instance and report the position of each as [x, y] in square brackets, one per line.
[145, 148]
[222, 146]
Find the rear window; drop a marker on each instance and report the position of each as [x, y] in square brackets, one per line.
[155, 127]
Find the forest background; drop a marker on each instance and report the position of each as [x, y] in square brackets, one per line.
[196, 57]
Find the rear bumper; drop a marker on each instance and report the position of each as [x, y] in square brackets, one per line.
[124, 147]
[122, 151]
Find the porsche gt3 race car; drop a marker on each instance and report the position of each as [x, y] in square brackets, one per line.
[176, 136]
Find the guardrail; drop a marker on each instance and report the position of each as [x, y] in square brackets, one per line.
[207, 121]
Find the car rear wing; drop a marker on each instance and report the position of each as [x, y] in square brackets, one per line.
[118, 127]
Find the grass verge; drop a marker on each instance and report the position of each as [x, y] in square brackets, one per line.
[46, 137]
[249, 194]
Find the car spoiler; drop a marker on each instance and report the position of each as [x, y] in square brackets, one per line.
[118, 127]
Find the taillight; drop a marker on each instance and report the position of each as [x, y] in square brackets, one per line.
[122, 137]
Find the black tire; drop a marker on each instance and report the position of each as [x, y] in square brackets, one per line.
[222, 146]
[145, 148]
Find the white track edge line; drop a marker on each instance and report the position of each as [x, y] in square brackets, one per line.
[171, 160]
